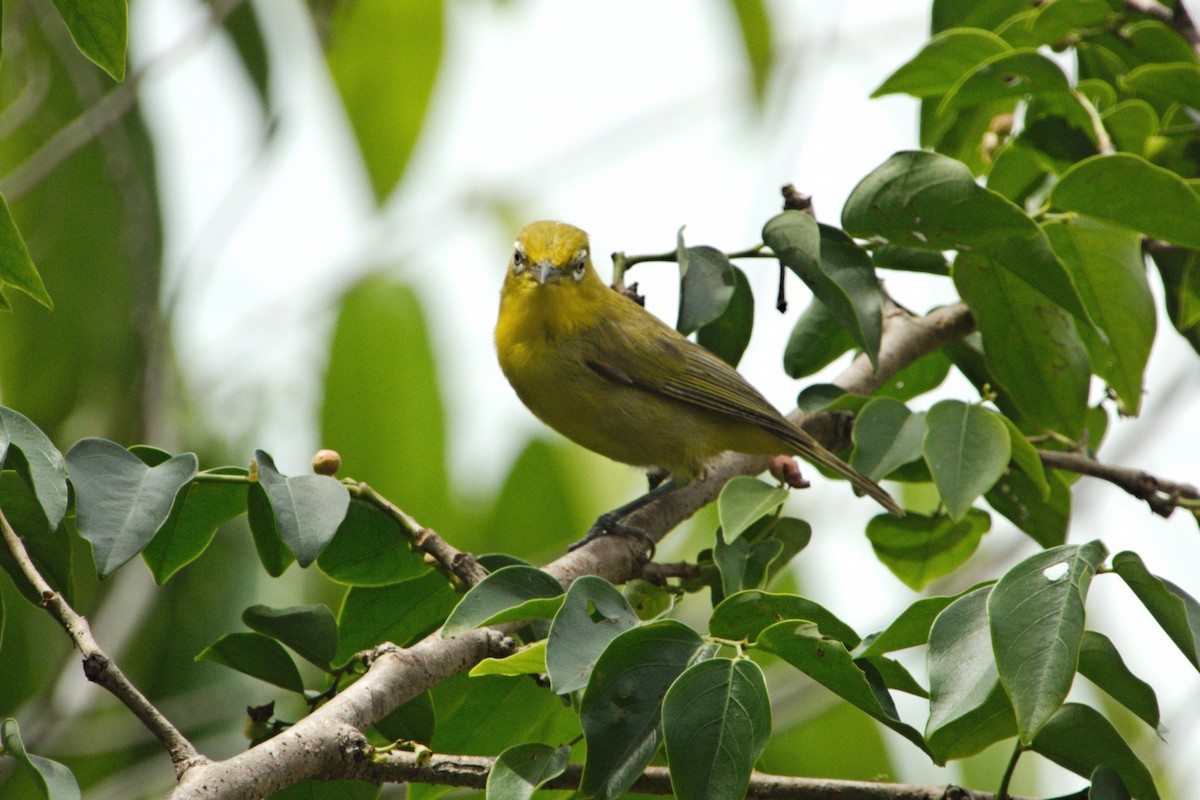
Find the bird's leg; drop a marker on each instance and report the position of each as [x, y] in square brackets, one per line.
[610, 524]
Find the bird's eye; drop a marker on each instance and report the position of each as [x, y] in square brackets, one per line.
[577, 265]
[520, 260]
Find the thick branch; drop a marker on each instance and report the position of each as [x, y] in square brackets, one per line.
[99, 668]
[1163, 496]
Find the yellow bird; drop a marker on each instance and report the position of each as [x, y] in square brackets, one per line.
[609, 375]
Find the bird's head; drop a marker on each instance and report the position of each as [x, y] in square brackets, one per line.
[550, 253]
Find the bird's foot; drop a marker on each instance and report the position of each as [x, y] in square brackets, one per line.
[609, 524]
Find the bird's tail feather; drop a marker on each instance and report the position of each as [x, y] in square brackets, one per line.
[809, 449]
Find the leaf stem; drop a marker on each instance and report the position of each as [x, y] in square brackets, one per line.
[1002, 792]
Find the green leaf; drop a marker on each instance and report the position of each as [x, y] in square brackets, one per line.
[246, 34]
[16, 268]
[743, 563]
[1109, 269]
[837, 270]
[728, 335]
[926, 200]
[200, 508]
[308, 508]
[529, 660]
[100, 29]
[706, 285]
[910, 259]
[1036, 616]
[500, 591]
[1018, 171]
[1015, 73]
[968, 709]
[911, 628]
[593, 613]
[120, 502]
[1100, 663]
[1129, 124]
[919, 549]
[1020, 500]
[986, 14]
[944, 59]
[39, 462]
[1026, 457]
[923, 375]
[967, 449]
[312, 789]
[828, 662]
[716, 723]
[272, 552]
[1061, 19]
[744, 615]
[1165, 84]
[400, 613]
[50, 550]
[754, 22]
[743, 501]
[257, 656]
[1107, 785]
[1175, 611]
[384, 58]
[370, 549]
[1130, 192]
[1031, 347]
[1180, 270]
[415, 721]
[55, 780]
[648, 600]
[309, 630]
[1080, 739]
[816, 341]
[620, 711]
[522, 768]
[886, 435]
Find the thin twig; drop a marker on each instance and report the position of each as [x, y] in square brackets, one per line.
[97, 666]
[658, 573]
[1104, 142]
[1163, 496]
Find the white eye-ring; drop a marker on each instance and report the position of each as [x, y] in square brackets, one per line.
[578, 263]
[519, 260]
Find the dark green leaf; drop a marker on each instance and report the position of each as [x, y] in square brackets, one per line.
[274, 555]
[40, 463]
[1020, 499]
[968, 709]
[100, 29]
[16, 268]
[414, 721]
[370, 549]
[522, 768]
[1017, 73]
[918, 549]
[894, 674]
[120, 502]
[706, 285]
[400, 613]
[1059, 20]
[1107, 785]
[1180, 270]
[1129, 124]
[728, 335]
[1100, 663]
[246, 34]
[743, 616]
[592, 615]
[1036, 616]
[50, 550]
[1176, 611]
[1164, 84]
[55, 780]
[923, 375]
[911, 628]
[816, 341]
[620, 711]
[1026, 457]
[743, 563]
[309, 630]
[986, 14]
[716, 721]
[200, 508]
[921, 199]
[499, 592]
[794, 535]
[942, 62]
[967, 449]
[308, 508]
[1017, 172]
[1031, 346]
[828, 662]
[257, 656]
[755, 25]
[743, 501]
[1080, 739]
[886, 435]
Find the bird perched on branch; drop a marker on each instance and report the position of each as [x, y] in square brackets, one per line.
[609, 375]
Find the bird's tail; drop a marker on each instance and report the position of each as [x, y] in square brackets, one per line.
[811, 450]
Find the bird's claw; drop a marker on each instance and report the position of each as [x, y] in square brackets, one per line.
[610, 525]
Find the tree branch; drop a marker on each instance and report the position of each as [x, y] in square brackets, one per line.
[97, 666]
[1163, 496]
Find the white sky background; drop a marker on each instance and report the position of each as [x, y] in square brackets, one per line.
[628, 119]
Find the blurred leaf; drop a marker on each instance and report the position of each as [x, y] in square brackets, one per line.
[242, 25]
[1130, 192]
[967, 449]
[24, 448]
[1176, 611]
[1045, 518]
[706, 285]
[399, 613]
[120, 502]
[944, 59]
[744, 615]
[384, 58]
[1110, 271]
[312, 789]
[754, 22]
[1015, 73]
[1107, 785]
[745, 500]
[200, 508]
[257, 656]
[968, 709]
[499, 592]
[55, 780]
[1017, 171]
[1031, 346]
[838, 272]
[1130, 123]
[1164, 84]
[1026, 457]
[521, 769]
[815, 746]
[414, 720]
[886, 435]
[100, 29]
[1100, 663]
[918, 549]
[546, 517]
[592, 615]
[308, 508]
[986, 14]
[1180, 271]
[272, 552]
[728, 335]
[816, 341]
[1058, 20]
[716, 721]
[648, 600]
[621, 706]
[16, 268]
[743, 563]
[530, 660]
[370, 549]
[911, 628]
[1036, 615]
[309, 630]
[1080, 739]
[50, 550]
